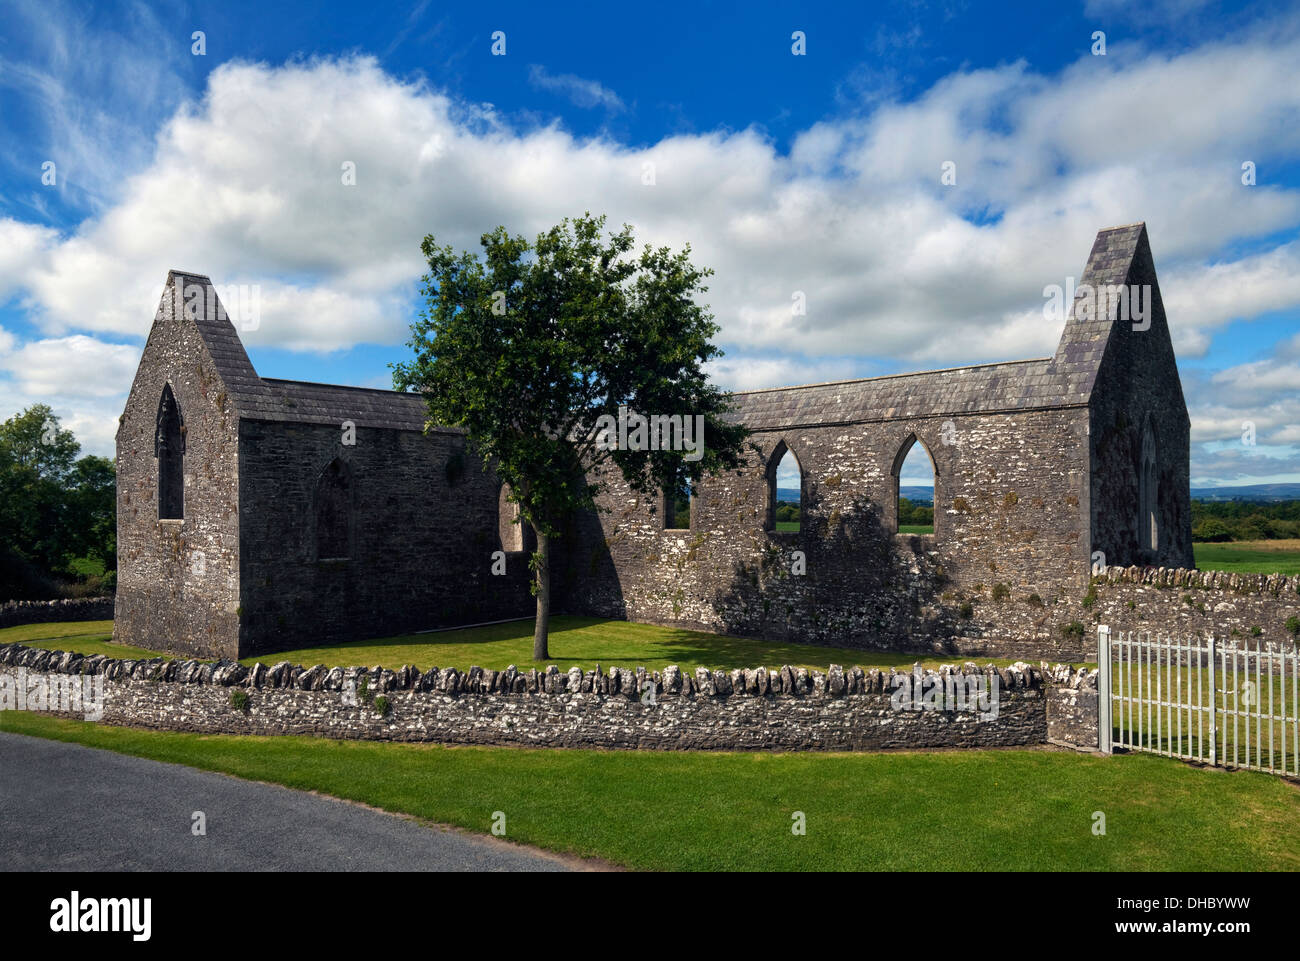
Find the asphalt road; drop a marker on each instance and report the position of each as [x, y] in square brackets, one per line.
[65, 807]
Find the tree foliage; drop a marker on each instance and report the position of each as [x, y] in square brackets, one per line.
[1219, 521]
[57, 511]
[527, 346]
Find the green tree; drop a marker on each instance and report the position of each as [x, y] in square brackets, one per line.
[92, 509]
[36, 460]
[529, 347]
[57, 512]
[1211, 530]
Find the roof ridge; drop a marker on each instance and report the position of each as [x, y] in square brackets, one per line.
[318, 383]
[915, 373]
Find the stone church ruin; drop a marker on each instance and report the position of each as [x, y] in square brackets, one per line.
[250, 520]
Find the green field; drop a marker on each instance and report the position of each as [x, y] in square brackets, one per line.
[1009, 810]
[1254, 557]
[574, 641]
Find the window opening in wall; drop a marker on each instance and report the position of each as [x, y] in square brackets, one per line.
[678, 502]
[333, 513]
[514, 534]
[169, 449]
[1149, 492]
[914, 489]
[784, 491]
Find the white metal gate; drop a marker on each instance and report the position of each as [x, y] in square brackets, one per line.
[1205, 700]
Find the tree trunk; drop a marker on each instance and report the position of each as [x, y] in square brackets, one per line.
[543, 575]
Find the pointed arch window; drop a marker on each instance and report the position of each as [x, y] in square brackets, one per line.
[679, 504]
[911, 515]
[169, 449]
[514, 534]
[334, 512]
[1149, 491]
[785, 490]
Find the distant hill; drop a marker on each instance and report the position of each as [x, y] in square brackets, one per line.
[1248, 492]
[917, 495]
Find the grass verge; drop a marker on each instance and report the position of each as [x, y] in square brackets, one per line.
[1010, 810]
[580, 641]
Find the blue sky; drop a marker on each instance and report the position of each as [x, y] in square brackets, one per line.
[814, 175]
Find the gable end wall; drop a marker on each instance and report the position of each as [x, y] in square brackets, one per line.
[178, 582]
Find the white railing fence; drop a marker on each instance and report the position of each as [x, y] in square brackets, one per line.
[1224, 703]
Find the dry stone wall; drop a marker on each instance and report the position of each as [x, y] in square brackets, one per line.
[15, 613]
[1169, 601]
[757, 709]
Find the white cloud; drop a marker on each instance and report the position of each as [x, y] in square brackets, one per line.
[580, 92]
[82, 379]
[755, 373]
[76, 366]
[1245, 422]
[245, 185]
[22, 247]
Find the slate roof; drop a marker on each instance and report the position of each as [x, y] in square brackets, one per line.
[304, 402]
[1064, 380]
[292, 401]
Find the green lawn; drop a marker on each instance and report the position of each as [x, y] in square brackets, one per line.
[586, 641]
[84, 637]
[972, 811]
[1253, 557]
[916, 528]
[580, 641]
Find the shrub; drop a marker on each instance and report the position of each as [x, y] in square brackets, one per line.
[1033, 600]
[382, 706]
[1001, 592]
[1090, 598]
[1073, 630]
[239, 701]
[1256, 631]
[363, 690]
[967, 610]
[1293, 625]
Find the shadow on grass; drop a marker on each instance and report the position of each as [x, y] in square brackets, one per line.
[586, 641]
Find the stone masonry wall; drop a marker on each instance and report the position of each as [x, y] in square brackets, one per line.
[1170, 601]
[1072, 708]
[178, 580]
[1011, 494]
[786, 709]
[1181, 602]
[423, 531]
[1137, 381]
